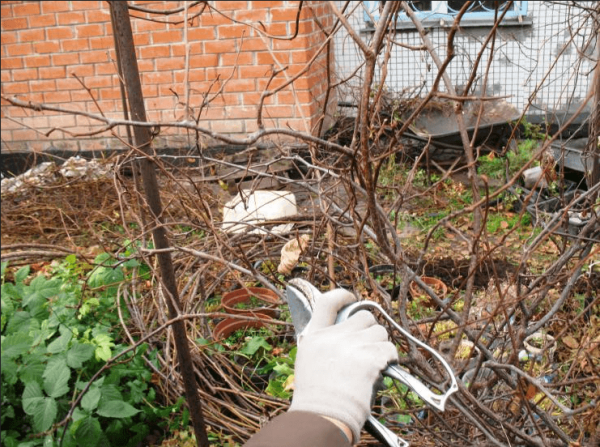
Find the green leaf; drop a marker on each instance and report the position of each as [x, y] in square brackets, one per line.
[104, 343]
[42, 287]
[44, 414]
[21, 274]
[9, 370]
[3, 266]
[32, 372]
[19, 322]
[32, 396]
[111, 392]
[254, 344]
[90, 400]
[61, 343]
[49, 441]
[71, 259]
[15, 345]
[56, 378]
[88, 432]
[78, 354]
[404, 418]
[283, 369]
[116, 409]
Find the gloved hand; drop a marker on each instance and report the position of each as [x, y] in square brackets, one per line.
[338, 365]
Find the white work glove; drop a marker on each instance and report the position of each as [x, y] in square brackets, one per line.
[337, 366]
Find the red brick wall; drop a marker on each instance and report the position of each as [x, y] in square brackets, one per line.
[45, 43]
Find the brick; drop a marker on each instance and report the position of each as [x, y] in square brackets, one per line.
[59, 33]
[140, 39]
[296, 44]
[52, 72]
[228, 126]
[154, 51]
[202, 33]
[26, 9]
[86, 5]
[55, 97]
[81, 95]
[240, 85]
[97, 43]
[162, 103]
[71, 18]
[257, 5]
[14, 24]
[81, 70]
[62, 120]
[287, 97]
[241, 112]
[285, 14]
[97, 15]
[257, 71]
[66, 84]
[27, 35]
[105, 69]
[25, 74]
[253, 99]
[19, 49]
[42, 21]
[211, 18]
[233, 59]
[213, 113]
[167, 36]
[8, 38]
[14, 88]
[179, 50]
[46, 47]
[75, 45]
[232, 6]
[54, 6]
[252, 14]
[65, 59]
[254, 44]
[12, 62]
[265, 58]
[157, 78]
[204, 61]
[279, 111]
[25, 134]
[232, 31]
[5, 76]
[90, 30]
[169, 63]
[89, 57]
[149, 91]
[221, 46]
[100, 81]
[146, 65]
[110, 93]
[280, 29]
[221, 72]
[146, 25]
[36, 61]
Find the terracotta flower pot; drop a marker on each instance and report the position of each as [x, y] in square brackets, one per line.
[437, 285]
[228, 326]
[251, 301]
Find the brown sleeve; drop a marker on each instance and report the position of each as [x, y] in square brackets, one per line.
[299, 429]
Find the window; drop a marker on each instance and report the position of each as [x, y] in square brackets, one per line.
[435, 13]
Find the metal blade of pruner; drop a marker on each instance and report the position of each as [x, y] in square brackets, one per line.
[302, 297]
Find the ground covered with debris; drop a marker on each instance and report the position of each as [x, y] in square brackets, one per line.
[520, 326]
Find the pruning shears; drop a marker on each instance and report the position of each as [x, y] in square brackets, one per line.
[302, 297]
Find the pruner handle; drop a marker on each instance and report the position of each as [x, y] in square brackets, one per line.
[437, 401]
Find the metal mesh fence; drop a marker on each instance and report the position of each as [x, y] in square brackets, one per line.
[546, 60]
